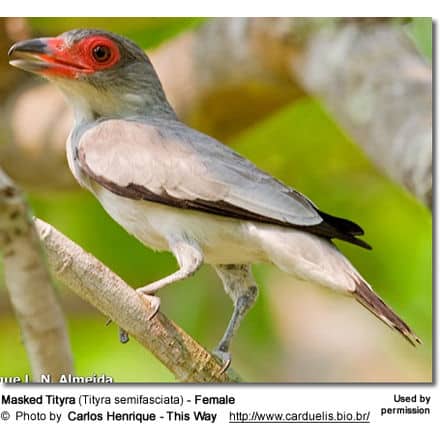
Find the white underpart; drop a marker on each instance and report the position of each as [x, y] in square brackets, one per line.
[230, 241]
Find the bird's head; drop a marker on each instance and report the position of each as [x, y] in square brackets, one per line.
[101, 73]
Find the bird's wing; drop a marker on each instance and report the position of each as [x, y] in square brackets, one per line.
[181, 167]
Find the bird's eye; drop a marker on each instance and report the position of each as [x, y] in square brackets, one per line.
[101, 53]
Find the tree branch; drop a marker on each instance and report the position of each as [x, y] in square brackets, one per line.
[32, 294]
[96, 284]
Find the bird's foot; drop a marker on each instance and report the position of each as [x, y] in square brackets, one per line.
[224, 357]
[150, 300]
[123, 335]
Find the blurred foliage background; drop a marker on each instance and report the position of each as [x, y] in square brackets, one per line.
[296, 332]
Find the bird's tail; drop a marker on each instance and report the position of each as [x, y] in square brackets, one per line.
[371, 301]
[314, 258]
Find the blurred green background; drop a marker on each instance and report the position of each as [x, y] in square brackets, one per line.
[296, 332]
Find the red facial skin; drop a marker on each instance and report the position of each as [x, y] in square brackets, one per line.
[70, 62]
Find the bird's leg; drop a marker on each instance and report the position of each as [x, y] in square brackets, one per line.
[188, 256]
[241, 287]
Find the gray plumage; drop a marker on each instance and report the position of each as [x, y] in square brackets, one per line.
[164, 160]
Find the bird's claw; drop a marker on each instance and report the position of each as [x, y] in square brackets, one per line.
[123, 336]
[225, 359]
[151, 301]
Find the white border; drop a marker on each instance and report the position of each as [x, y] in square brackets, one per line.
[198, 8]
[287, 397]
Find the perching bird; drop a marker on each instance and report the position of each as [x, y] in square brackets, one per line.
[179, 190]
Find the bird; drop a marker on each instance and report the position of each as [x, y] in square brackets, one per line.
[179, 190]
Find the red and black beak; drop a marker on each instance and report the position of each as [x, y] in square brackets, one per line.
[45, 56]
